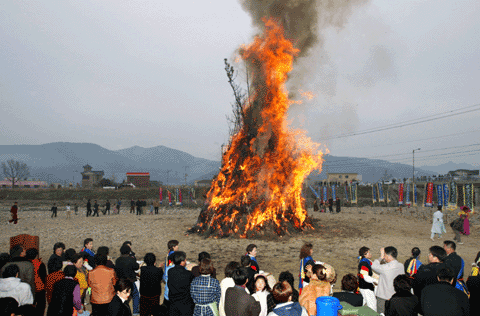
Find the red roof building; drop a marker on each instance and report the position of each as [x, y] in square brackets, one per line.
[139, 179]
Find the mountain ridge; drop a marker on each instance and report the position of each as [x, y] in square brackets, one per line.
[63, 161]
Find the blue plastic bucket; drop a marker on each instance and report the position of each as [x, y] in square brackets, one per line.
[327, 306]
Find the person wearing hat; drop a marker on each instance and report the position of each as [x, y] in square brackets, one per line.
[465, 214]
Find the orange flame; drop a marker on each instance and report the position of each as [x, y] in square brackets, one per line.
[262, 187]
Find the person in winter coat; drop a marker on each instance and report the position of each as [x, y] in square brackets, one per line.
[66, 295]
[403, 302]
[12, 286]
[318, 286]
[119, 304]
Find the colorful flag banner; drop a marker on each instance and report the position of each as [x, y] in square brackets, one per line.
[468, 195]
[334, 193]
[429, 194]
[346, 193]
[169, 198]
[325, 194]
[452, 203]
[353, 193]
[374, 194]
[440, 195]
[407, 196]
[400, 194]
[180, 200]
[160, 195]
[446, 195]
[381, 197]
[314, 192]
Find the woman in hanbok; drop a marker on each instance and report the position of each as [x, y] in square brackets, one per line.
[438, 227]
[465, 211]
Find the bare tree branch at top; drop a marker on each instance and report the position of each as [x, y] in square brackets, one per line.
[15, 170]
[236, 121]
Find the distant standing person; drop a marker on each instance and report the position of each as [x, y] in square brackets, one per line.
[438, 227]
[107, 207]
[132, 206]
[119, 203]
[54, 210]
[75, 208]
[14, 211]
[330, 205]
[95, 208]
[67, 210]
[338, 205]
[89, 208]
[139, 207]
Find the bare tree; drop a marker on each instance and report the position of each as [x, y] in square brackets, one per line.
[15, 170]
[236, 121]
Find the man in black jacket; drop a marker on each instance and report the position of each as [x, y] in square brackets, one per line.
[443, 298]
[107, 207]
[427, 273]
[139, 207]
[125, 267]
[453, 260]
[179, 280]
[54, 210]
[95, 208]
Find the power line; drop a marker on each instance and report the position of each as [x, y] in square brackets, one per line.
[430, 157]
[409, 153]
[407, 123]
[421, 139]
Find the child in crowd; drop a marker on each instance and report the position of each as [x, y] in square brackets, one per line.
[261, 291]
[252, 253]
[306, 262]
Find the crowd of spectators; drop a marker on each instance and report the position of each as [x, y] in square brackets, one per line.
[84, 282]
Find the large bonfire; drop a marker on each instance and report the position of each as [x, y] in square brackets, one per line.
[258, 190]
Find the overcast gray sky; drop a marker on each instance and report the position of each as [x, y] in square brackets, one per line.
[148, 73]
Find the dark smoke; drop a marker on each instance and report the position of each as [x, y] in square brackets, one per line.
[302, 19]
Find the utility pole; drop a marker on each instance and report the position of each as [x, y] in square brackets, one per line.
[73, 178]
[185, 167]
[168, 174]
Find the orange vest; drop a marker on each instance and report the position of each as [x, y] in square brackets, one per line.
[39, 285]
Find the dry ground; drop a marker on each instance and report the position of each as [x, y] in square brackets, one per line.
[336, 243]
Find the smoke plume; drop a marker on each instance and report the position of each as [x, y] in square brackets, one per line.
[302, 20]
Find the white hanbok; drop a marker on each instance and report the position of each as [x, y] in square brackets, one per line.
[438, 227]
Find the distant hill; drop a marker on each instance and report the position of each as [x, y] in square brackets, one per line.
[59, 162]
[449, 166]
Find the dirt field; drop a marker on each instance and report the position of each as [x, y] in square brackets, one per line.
[336, 243]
